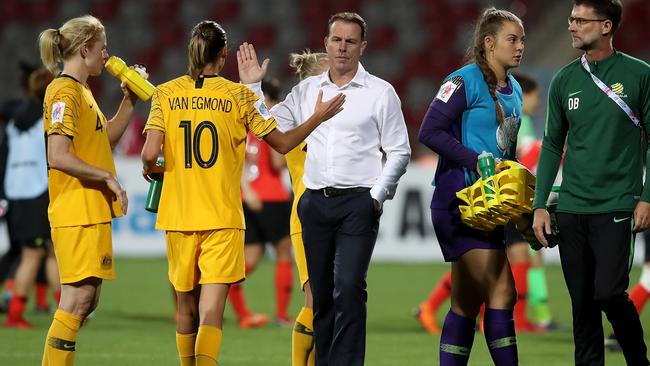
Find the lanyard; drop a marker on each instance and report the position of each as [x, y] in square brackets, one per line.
[610, 93]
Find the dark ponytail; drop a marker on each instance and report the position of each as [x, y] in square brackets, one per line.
[208, 39]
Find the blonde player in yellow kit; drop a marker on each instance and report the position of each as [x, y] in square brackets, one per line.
[302, 338]
[305, 64]
[201, 121]
[84, 192]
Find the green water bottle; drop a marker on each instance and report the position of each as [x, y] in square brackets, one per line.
[487, 167]
[551, 206]
[155, 189]
[486, 164]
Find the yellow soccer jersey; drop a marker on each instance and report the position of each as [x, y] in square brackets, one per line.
[70, 109]
[296, 165]
[205, 122]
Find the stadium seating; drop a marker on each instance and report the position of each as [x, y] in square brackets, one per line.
[412, 43]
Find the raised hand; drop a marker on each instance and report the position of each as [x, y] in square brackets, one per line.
[248, 65]
[330, 108]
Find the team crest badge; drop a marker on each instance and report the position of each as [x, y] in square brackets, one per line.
[619, 90]
[107, 261]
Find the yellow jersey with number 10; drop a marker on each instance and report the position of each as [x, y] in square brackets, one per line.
[205, 122]
[70, 109]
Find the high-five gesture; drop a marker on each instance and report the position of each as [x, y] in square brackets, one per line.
[248, 65]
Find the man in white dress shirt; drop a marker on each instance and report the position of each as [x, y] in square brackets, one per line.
[347, 182]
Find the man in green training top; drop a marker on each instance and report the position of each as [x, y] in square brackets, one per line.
[599, 103]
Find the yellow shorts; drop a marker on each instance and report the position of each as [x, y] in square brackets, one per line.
[202, 257]
[83, 252]
[299, 256]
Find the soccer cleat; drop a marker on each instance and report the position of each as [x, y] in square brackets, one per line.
[527, 327]
[42, 309]
[284, 321]
[253, 321]
[17, 323]
[551, 326]
[427, 318]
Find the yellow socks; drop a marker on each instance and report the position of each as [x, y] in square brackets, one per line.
[207, 346]
[61, 339]
[185, 345]
[302, 339]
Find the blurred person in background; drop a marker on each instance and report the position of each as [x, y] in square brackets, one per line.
[526, 264]
[200, 205]
[267, 207]
[346, 183]
[84, 192]
[640, 292]
[599, 108]
[24, 185]
[11, 258]
[478, 108]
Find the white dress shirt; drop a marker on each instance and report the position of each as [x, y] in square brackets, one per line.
[346, 150]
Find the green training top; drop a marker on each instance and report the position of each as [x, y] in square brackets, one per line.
[526, 130]
[603, 164]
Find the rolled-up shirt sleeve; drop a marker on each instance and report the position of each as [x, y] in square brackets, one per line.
[395, 144]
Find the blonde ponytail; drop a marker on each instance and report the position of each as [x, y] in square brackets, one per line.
[57, 45]
[306, 63]
[48, 43]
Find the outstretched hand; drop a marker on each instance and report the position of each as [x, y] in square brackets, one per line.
[248, 65]
[330, 108]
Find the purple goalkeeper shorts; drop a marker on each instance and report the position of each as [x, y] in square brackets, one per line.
[456, 238]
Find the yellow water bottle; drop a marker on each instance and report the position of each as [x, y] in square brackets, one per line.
[134, 81]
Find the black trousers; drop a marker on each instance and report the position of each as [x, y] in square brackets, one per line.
[339, 235]
[596, 252]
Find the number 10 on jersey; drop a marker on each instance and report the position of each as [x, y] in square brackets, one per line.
[193, 143]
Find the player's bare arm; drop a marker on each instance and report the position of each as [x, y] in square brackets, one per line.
[150, 153]
[283, 142]
[60, 157]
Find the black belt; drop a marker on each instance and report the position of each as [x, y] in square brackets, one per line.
[334, 192]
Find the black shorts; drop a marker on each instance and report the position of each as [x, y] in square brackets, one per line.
[513, 236]
[27, 221]
[269, 225]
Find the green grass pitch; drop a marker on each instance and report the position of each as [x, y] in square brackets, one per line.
[134, 323]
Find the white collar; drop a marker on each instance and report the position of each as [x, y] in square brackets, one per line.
[360, 78]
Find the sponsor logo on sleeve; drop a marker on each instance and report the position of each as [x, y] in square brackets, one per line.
[58, 111]
[262, 110]
[446, 91]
